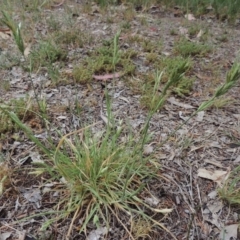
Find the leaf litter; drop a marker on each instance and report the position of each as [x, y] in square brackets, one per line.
[187, 181]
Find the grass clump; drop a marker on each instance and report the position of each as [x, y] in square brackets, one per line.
[186, 48]
[103, 175]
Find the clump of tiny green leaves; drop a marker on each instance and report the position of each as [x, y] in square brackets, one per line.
[16, 30]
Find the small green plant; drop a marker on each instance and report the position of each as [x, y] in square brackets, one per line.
[45, 54]
[53, 24]
[173, 32]
[223, 38]
[105, 59]
[152, 57]
[187, 48]
[6, 85]
[126, 25]
[54, 74]
[176, 82]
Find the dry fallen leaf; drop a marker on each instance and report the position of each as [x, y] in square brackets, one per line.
[97, 233]
[212, 212]
[200, 33]
[214, 162]
[175, 102]
[164, 210]
[180, 114]
[148, 150]
[4, 35]
[190, 17]
[229, 232]
[237, 160]
[217, 176]
[200, 116]
[212, 195]
[33, 196]
[5, 236]
[27, 50]
[152, 201]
